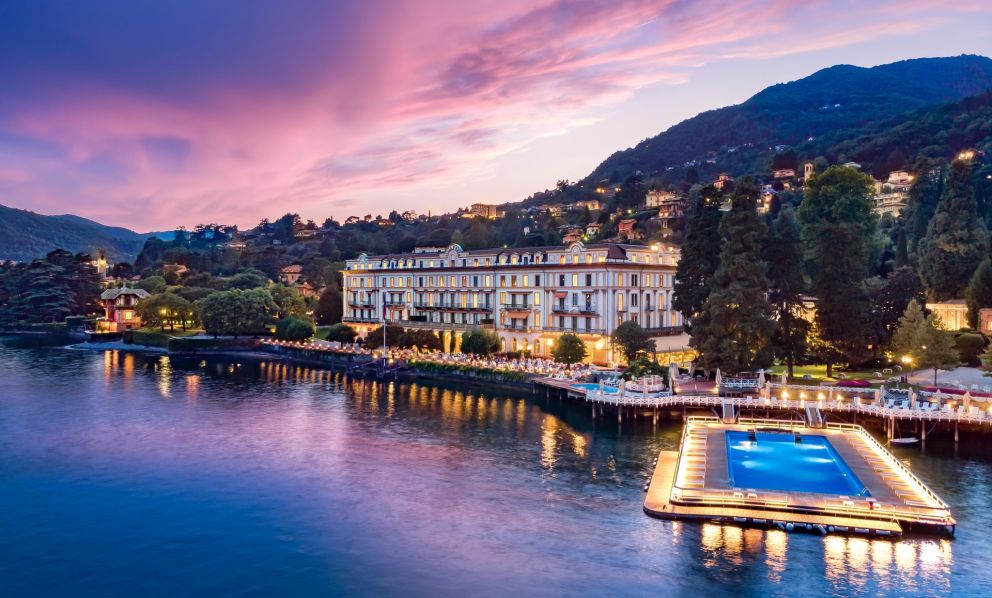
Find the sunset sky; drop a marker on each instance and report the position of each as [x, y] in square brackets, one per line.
[155, 114]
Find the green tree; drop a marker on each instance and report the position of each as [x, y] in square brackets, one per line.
[393, 333]
[837, 229]
[152, 284]
[784, 256]
[249, 279]
[479, 341]
[422, 339]
[969, 346]
[889, 298]
[631, 340]
[236, 311]
[288, 301]
[569, 348]
[166, 309]
[922, 340]
[341, 333]
[700, 254]
[924, 195]
[979, 291]
[956, 240]
[330, 306]
[294, 328]
[734, 330]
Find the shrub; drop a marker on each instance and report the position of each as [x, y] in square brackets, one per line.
[294, 329]
[645, 367]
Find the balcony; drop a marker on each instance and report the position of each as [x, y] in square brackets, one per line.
[517, 307]
[444, 325]
[361, 320]
[575, 330]
[362, 304]
[516, 327]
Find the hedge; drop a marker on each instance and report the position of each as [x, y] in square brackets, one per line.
[143, 337]
[434, 367]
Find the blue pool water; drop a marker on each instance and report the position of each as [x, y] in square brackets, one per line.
[778, 462]
[587, 386]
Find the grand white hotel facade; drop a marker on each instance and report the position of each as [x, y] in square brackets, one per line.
[530, 296]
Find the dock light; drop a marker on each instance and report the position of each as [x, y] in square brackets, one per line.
[819, 396]
[785, 394]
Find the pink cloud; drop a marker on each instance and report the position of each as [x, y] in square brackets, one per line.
[419, 95]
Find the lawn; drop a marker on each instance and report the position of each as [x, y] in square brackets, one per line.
[818, 373]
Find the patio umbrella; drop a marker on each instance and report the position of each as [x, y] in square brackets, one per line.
[912, 399]
[785, 376]
[719, 378]
[692, 368]
[967, 400]
[761, 378]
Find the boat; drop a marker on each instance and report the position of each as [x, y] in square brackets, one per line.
[907, 440]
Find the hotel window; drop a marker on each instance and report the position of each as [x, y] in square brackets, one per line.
[475, 262]
[561, 280]
[420, 281]
[589, 258]
[561, 260]
[502, 280]
[633, 280]
[575, 258]
[408, 296]
[513, 259]
[502, 298]
[489, 280]
[464, 281]
[475, 300]
[575, 280]
[475, 281]
[537, 280]
[454, 281]
[575, 299]
[440, 282]
[620, 301]
[633, 299]
[537, 298]
[513, 280]
[488, 262]
[526, 280]
[588, 280]
[602, 259]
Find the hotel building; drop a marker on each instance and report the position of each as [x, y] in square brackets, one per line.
[529, 296]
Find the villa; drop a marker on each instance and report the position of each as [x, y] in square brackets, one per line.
[119, 309]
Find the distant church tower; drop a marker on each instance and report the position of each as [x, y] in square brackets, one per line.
[101, 263]
[807, 171]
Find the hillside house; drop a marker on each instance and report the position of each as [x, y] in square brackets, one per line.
[290, 275]
[655, 198]
[722, 180]
[120, 309]
[625, 228]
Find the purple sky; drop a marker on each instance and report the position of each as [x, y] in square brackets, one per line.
[155, 114]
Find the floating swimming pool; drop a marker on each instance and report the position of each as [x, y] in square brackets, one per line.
[590, 387]
[775, 461]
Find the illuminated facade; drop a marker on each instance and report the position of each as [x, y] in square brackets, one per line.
[530, 296]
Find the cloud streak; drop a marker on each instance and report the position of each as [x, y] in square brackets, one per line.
[230, 111]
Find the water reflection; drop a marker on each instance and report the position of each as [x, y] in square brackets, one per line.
[480, 480]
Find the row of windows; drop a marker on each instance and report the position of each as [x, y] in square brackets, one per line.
[475, 300]
[573, 258]
[620, 279]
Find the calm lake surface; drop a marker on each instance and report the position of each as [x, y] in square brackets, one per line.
[130, 475]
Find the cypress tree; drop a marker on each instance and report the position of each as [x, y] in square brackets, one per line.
[956, 241]
[700, 254]
[735, 327]
[924, 196]
[902, 248]
[979, 291]
[784, 256]
[837, 228]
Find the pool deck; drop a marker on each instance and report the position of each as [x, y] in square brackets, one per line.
[694, 483]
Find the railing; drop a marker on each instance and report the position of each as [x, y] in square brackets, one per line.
[361, 320]
[443, 325]
[665, 330]
[575, 330]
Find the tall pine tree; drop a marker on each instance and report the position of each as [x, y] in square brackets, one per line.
[784, 256]
[700, 254]
[956, 240]
[924, 196]
[838, 227]
[979, 291]
[734, 329]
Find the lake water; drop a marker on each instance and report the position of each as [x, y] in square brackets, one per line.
[125, 475]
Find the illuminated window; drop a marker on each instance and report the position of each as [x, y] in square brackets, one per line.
[537, 298]
[575, 280]
[526, 280]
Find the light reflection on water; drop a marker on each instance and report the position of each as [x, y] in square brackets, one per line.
[192, 474]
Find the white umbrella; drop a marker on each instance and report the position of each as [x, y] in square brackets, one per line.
[673, 374]
[967, 400]
[785, 376]
[761, 378]
[719, 378]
